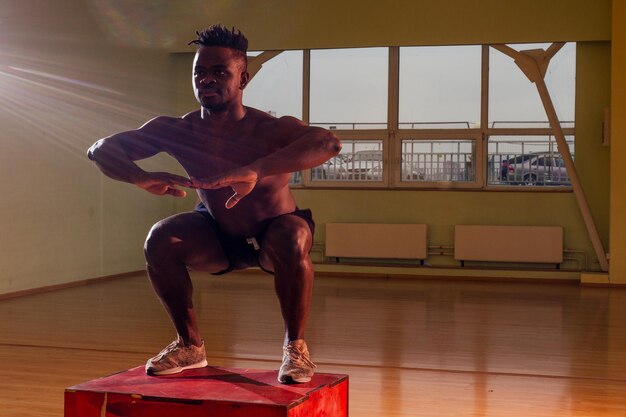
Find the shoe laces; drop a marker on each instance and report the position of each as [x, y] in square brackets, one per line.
[168, 349]
[299, 356]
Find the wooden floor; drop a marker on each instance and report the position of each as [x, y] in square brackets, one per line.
[411, 347]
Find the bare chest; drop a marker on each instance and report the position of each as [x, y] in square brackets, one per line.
[208, 153]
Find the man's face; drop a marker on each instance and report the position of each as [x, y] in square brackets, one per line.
[219, 77]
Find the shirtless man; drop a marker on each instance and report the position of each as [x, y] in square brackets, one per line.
[239, 160]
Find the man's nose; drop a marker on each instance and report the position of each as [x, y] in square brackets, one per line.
[207, 80]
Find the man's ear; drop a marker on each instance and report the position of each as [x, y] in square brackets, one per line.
[245, 78]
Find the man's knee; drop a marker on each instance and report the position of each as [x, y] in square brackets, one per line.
[183, 240]
[289, 241]
[159, 242]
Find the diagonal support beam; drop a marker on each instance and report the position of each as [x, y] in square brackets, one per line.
[255, 63]
[534, 64]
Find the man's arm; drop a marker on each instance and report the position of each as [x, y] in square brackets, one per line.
[116, 155]
[305, 147]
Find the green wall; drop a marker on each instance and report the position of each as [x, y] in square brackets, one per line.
[618, 144]
[279, 24]
[64, 83]
[441, 210]
[95, 68]
[592, 159]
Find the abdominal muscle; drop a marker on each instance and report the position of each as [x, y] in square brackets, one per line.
[245, 219]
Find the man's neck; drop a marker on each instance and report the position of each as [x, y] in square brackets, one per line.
[233, 114]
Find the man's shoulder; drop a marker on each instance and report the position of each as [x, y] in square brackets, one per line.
[163, 130]
[258, 115]
[267, 120]
[165, 122]
[191, 116]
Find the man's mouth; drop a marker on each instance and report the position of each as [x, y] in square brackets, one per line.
[208, 92]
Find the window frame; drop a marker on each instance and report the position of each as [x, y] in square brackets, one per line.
[524, 132]
[393, 136]
[440, 134]
[360, 135]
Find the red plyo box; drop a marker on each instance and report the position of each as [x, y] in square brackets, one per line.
[207, 392]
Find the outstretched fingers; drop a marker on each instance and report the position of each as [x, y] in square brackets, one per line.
[163, 183]
[232, 178]
[174, 181]
[212, 183]
[241, 180]
[178, 180]
[175, 192]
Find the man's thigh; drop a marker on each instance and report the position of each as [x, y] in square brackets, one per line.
[289, 236]
[192, 239]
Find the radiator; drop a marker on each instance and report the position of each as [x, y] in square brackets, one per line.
[382, 241]
[537, 244]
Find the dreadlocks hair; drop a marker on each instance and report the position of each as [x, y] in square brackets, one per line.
[218, 35]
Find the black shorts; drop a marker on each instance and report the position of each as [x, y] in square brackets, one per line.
[243, 252]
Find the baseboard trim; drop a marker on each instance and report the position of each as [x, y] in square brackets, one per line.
[586, 279]
[65, 285]
[451, 273]
[596, 279]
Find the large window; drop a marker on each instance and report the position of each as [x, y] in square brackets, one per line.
[438, 160]
[439, 87]
[513, 99]
[359, 160]
[277, 88]
[527, 160]
[428, 116]
[349, 88]
[522, 150]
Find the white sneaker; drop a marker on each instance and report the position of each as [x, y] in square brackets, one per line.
[175, 358]
[296, 366]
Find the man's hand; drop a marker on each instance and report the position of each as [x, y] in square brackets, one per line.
[241, 180]
[163, 183]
